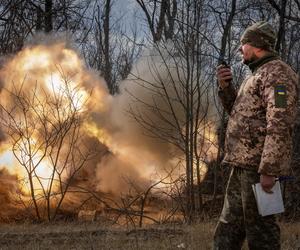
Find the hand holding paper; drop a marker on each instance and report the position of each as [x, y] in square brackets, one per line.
[268, 203]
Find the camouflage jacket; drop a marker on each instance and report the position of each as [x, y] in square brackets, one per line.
[261, 118]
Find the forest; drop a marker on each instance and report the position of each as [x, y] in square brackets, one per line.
[109, 111]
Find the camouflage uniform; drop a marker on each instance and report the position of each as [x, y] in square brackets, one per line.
[258, 141]
[240, 218]
[259, 130]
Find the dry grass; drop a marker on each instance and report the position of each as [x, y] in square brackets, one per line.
[94, 235]
[290, 236]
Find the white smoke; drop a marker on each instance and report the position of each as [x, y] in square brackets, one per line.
[150, 94]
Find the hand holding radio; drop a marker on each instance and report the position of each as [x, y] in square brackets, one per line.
[224, 75]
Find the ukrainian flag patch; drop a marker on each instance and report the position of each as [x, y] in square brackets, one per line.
[280, 96]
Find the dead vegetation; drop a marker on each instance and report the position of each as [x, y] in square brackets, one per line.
[98, 235]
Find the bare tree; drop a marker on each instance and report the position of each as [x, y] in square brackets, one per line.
[88, 22]
[45, 131]
[48, 15]
[160, 16]
[112, 52]
[180, 93]
[225, 15]
[16, 23]
[22, 19]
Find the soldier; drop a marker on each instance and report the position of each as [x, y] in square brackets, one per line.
[258, 142]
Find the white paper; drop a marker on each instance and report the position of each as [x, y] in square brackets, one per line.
[268, 203]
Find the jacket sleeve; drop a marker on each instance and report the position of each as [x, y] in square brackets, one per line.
[280, 97]
[227, 97]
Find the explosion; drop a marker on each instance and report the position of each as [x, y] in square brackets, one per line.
[61, 127]
[46, 94]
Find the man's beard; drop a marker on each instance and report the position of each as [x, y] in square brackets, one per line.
[252, 59]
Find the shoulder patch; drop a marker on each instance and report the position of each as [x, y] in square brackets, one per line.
[280, 96]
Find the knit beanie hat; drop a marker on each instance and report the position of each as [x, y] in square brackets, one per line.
[260, 35]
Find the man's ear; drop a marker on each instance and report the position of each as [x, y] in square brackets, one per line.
[259, 51]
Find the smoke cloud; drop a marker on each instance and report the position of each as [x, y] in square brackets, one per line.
[127, 158]
[143, 97]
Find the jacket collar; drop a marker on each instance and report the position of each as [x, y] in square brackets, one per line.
[261, 61]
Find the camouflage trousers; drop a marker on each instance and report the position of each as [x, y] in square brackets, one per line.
[240, 219]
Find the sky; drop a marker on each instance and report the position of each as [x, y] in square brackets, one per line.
[131, 12]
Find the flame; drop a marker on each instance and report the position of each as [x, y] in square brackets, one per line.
[7, 158]
[56, 83]
[56, 72]
[37, 59]
[43, 171]
[53, 82]
[93, 129]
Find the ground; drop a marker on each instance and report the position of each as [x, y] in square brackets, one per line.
[93, 235]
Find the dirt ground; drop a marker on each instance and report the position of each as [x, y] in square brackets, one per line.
[88, 236]
[93, 235]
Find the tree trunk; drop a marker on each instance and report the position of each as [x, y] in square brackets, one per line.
[48, 16]
[280, 44]
[107, 68]
[221, 135]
